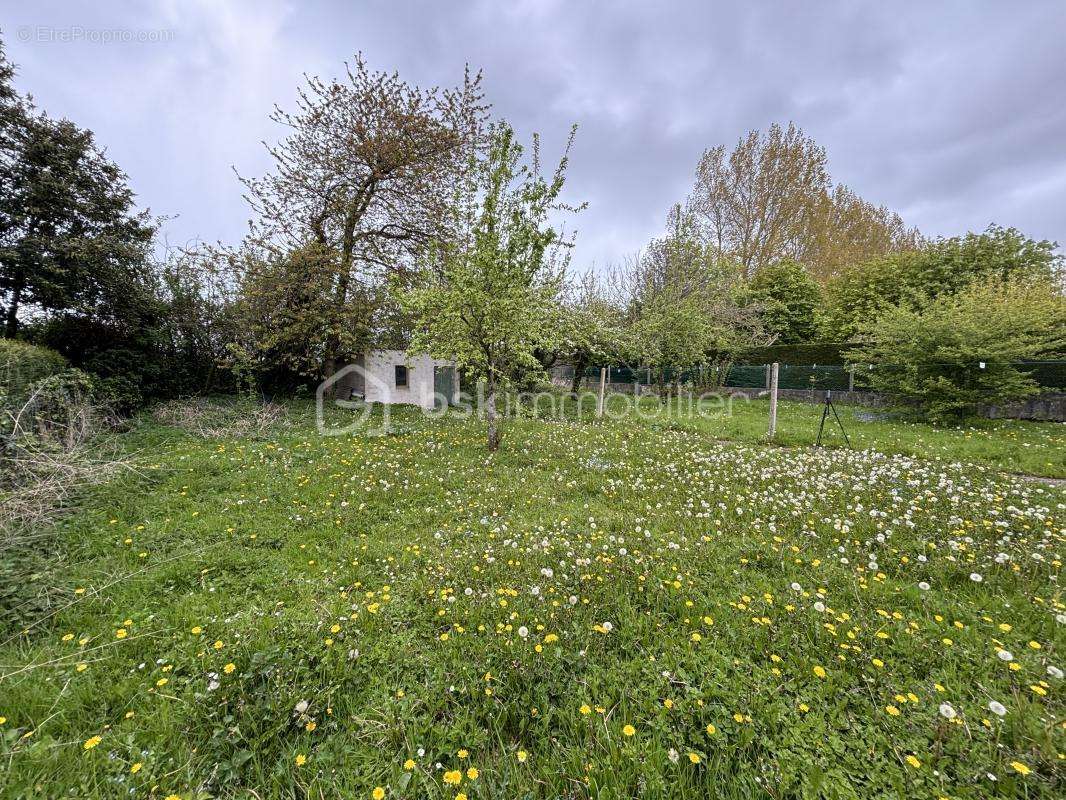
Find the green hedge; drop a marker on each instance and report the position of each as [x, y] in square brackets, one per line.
[22, 365]
[828, 353]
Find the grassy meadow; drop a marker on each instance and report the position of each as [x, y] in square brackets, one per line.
[623, 608]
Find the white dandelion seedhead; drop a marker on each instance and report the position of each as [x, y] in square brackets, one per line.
[947, 711]
[976, 577]
[997, 708]
[923, 586]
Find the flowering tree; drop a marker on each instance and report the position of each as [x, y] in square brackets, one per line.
[487, 297]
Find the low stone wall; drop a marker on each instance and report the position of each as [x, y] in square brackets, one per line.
[817, 396]
[1045, 408]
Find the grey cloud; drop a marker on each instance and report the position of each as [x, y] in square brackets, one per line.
[950, 113]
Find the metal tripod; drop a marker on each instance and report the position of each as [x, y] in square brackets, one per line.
[825, 413]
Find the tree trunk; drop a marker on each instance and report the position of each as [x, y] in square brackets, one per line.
[11, 328]
[579, 369]
[490, 413]
[333, 339]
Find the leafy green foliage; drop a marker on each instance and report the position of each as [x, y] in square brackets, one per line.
[591, 328]
[687, 305]
[70, 238]
[788, 300]
[488, 297]
[962, 350]
[23, 364]
[75, 258]
[288, 311]
[916, 277]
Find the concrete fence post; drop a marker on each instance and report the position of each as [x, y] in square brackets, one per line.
[603, 386]
[773, 400]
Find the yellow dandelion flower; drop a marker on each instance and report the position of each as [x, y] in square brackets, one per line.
[914, 762]
[694, 758]
[711, 730]
[135, 768]
[229, 668]
[819, 672]
[1020, 768]
[629, 730]
[378, 793]
[91, 742]
[522, 756]
[301, 759]
[409, 764]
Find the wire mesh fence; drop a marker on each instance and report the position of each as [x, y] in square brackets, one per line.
[1049, 375]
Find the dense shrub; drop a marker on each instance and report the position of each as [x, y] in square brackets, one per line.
[962, 351]
[22, 365]
[788, 299]
[58, 409]
[914, 278]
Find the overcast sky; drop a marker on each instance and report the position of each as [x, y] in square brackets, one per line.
[953, 114]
